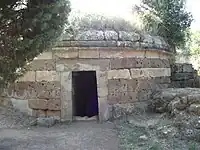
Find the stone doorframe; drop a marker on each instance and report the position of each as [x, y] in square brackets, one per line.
[66, 91]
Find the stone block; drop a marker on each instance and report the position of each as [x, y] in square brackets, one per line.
[164, 56]
[48, 90]
[156, 63]
[152, 54]
[119, 74]
[110, 54]
[38, 104]
[28, 76]
[114, 98]
[147, 38]
[123, 63]
[39, 113]
[42, 65]
[129, 36]
[25, 90]
[66, 81]
[102, 91]
[144, 84]
[194, 109]
[136, 73]
[85, 44]
[47, 76]
[177, 68]
[126, 44]
[44, 55]
[21, 105]
[65, 54]
[117, 86]
[139, 63]
[60, 67]
[188, 68]
[104, 112]
[102, 80]
[93, 64]
[91, 35]
[111, 35]
[145, 63]
[54, 113]
[133, 54]
[182, 76]
[88, 54]
[54, 104]
[132, 97]
[132, 84]
[194, 99]
[144, 95]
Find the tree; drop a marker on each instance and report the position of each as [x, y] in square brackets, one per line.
[28, 27]
[194, 44]
[166, 18]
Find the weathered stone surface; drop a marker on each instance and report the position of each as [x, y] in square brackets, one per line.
[147, 38]
[102, 91]
[110, 54]
[44, 55]
[182, 76]
[21, 105]
[157, 41]
[39, 113]
[130, 36]
[123, 63]
[53, 113]
[194, 109]
[150, 72]
[65, 54]
[132, 84]
[104, 112]
[47, 76]
[24, 90]
[60, 67]
[134, 45]
[152, 54]
[54, 104]
[28, 76]
[119, 74]
[90, 35]
[111, 35]
[88, 54]
[66, 96]
[122, 110]
[73, 65]
[38, 104]
[188, 68]
[42, 65]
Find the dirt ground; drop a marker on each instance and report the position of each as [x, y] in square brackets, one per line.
[17, 133]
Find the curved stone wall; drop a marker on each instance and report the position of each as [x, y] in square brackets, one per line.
[125, 75]
[111, 38]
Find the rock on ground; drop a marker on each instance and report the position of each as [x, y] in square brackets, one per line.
[12, 118]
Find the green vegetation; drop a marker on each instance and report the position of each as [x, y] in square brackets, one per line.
[27, 28]
[167, 18]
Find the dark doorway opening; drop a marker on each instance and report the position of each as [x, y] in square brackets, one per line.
[85, 98]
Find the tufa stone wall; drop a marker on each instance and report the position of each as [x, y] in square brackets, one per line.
[125, 74]
[184, 75]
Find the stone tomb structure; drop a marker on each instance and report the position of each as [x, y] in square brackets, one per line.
[127, 66]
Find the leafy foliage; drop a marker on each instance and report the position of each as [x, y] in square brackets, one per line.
[167, 18]
[27, 28]
[194, 44]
